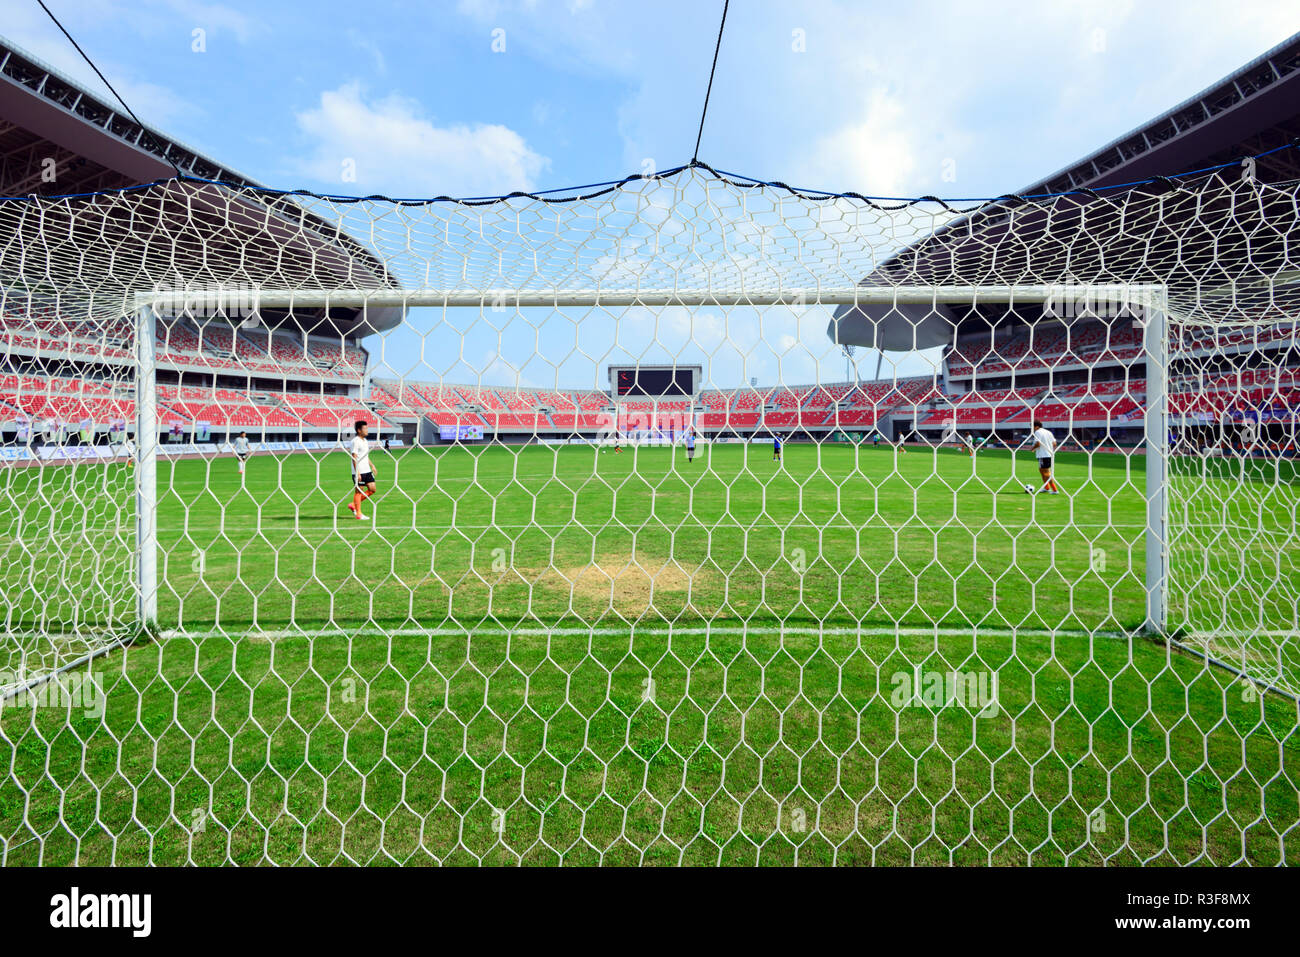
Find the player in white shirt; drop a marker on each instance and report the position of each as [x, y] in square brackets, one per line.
[241, 450]
[363, 474]
[1044, 448]
[970, 445]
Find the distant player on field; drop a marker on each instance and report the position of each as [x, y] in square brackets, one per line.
[1044, 448]
[363, 475]
[241, 450]
[776, 447]
[969, 443]
[690, 445]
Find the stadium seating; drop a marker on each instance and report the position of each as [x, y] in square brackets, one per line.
[484, 398]
[1120, 411]
[1045, 346]
[211, 347]
[664, 415]
[1103, 402]
[850, 417]
[66, 400]
[331, 412]
[405, 408]
[984, 417]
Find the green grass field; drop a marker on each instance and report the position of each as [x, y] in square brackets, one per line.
[555, 655]
[550, 536]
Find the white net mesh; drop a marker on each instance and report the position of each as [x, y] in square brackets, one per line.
[67, 537]
[1234, 393]
[651, 568]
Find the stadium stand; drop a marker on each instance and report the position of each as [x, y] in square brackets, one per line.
[1080, 375]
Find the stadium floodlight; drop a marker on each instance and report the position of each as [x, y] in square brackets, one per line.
[382, 499]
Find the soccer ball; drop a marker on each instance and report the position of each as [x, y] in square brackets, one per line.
[1029, 488]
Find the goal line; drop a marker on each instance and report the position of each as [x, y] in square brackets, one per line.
[657, 631]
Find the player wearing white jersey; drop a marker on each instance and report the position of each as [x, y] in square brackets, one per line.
[363, 474]
[241, 450]
[1044, 448]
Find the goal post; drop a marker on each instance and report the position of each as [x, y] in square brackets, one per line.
[146, 466]
[1155, 341]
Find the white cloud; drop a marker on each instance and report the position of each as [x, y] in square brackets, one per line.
[877, 150]
[397, 150]
[894, 99]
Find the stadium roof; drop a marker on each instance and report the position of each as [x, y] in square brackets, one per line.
[1252, 112]
[95, 146]
[50, 124]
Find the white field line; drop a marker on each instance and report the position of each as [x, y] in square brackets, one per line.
[661, 523]
[66, 636]
[655, 630]
[318, 525]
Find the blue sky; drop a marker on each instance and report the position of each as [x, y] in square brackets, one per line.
[478, 96]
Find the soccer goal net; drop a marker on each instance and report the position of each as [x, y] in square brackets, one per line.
[688, 519]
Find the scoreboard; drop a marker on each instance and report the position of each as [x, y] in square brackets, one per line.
[654, 380]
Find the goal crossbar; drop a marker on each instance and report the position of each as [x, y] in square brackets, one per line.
[1149, 295]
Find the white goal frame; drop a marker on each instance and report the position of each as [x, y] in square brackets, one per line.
[1154, 297]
